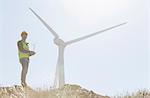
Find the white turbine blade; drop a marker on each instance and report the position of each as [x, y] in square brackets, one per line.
[90, 35]
[45, 24]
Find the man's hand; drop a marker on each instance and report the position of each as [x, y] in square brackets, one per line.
[32, 53]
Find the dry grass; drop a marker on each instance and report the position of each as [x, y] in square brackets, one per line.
[138, 94]
[68, 91]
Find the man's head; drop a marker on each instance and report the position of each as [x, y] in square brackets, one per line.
[24, 35]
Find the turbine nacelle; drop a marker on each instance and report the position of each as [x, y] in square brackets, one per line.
[59, 42]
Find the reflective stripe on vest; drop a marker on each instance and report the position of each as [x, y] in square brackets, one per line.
[21, 54]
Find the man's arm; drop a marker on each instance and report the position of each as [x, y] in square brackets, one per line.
[20, 47]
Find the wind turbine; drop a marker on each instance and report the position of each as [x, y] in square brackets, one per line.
[59, 75]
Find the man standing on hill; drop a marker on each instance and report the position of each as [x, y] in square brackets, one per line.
[24, 54]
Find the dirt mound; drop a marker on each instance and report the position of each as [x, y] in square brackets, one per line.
[67, 91]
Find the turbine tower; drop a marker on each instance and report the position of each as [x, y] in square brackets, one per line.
[59, 75]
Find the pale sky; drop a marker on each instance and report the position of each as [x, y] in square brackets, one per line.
[111, 63]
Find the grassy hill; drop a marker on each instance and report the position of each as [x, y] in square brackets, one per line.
[67, 91]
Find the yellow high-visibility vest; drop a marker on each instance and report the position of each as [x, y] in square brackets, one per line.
[24, 55]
